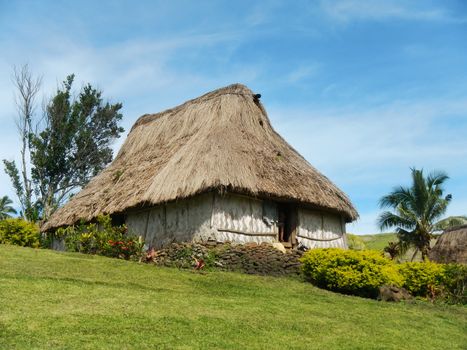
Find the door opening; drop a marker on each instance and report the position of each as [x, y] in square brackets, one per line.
[287, 222]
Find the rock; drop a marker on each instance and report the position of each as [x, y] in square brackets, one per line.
[279, 246]
[266, 259]
[392, 293]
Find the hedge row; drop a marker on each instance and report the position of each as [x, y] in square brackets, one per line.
[362, 273]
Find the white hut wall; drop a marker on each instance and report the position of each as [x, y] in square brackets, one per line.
[243, 219]
[173, 222]
[318, 229]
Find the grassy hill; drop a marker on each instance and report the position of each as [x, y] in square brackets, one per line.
[73, 301]
[378, 241]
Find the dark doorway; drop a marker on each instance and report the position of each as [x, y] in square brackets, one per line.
[287, 222]
[117, 219]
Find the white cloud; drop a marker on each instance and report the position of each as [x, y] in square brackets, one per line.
[302, 72]
[350, 10]
[365, 224]
[355, 140]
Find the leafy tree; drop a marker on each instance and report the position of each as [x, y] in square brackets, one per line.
[69, 145]
[5, 208]
[416, 210]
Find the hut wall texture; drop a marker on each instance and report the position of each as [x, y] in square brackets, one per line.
[320, 229]
[231, 218]
[240, 219]
[186, 220]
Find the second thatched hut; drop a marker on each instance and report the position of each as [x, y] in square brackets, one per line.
[451, 246]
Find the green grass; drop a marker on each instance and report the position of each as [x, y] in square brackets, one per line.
[58, 300]
[378, 241]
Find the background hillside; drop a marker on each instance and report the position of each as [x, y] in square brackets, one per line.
[378, 241]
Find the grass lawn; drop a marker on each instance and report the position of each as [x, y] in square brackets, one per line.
[72, 301]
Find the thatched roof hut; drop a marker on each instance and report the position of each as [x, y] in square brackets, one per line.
[451, 246]
[220, 142]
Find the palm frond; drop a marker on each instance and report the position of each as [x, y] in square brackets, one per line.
[437, 210]
[388, 220]
[406, 240]
[5, 208]
[436, 178]
[397, 196]
[419, 192]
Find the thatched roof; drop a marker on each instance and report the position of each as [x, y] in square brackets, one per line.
[222, 141]
[451, 246]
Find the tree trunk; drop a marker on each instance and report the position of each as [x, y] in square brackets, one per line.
[414, 254]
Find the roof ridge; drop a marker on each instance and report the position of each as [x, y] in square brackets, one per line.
[455, 228]
[226, 90]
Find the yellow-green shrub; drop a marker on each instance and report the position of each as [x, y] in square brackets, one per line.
[422, 279]
[455, 283]
[350, 272]
[19, 232]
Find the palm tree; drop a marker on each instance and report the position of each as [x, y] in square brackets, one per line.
[5, 208]
[416, 210]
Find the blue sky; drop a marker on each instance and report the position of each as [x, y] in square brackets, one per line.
[363, 89]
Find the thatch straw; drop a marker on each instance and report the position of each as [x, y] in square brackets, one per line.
[451, 246]
[221, 141]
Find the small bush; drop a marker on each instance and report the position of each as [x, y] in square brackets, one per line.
[423, 279]
[101, 238]
[350, 272]
[455, 283]
[19, 232]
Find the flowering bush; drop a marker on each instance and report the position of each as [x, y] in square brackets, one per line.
[102, 238]
[125, 248]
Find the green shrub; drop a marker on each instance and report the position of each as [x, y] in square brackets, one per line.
[363, 272]
[350, 272]
[101, 238]
[19, 232]
[455, 283]
[423, 279]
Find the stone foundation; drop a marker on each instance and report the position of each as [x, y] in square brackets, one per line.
[252, 258]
